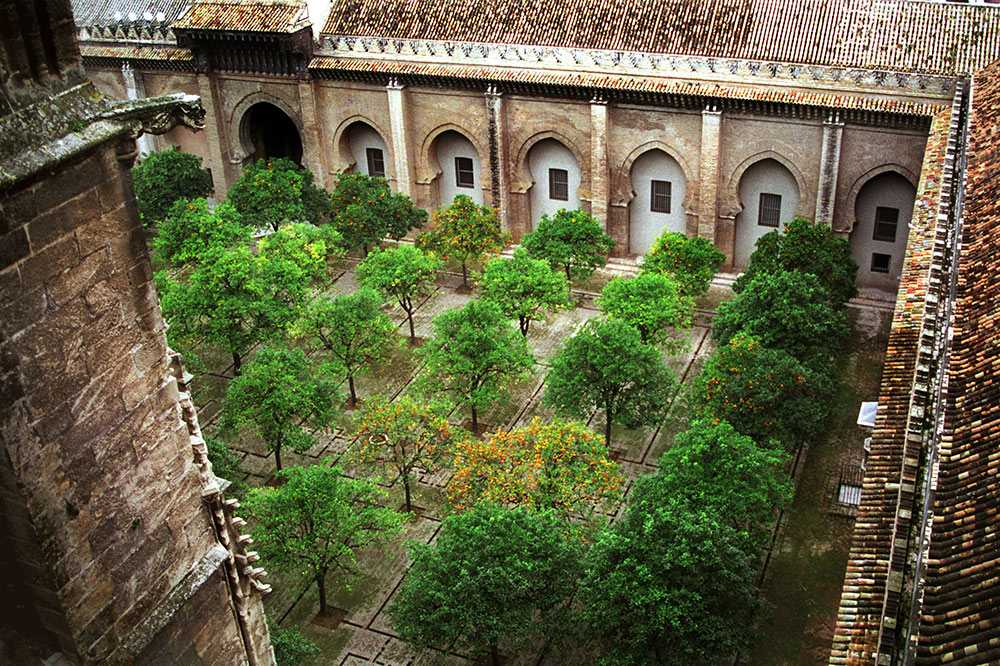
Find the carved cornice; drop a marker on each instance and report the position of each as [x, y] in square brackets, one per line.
[730, 70]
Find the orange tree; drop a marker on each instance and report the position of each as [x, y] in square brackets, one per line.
[405, 435]
[465, 231]
[560, 465]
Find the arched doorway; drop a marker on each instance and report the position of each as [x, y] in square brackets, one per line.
[658, 188]
[878, 241]
[367, 149]
[268, 133]
[555, 176]
[458, 160]
[769, 196]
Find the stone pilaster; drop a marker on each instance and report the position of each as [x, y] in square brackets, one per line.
[135, 89]
[213, 137]
[313, 152]
[397, 122]
[499, 159]
[829, 168]
[711, 139]
[599, 186]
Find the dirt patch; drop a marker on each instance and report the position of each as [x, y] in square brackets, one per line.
[330, 618]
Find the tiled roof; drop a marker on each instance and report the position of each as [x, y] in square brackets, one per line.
[898, 35]
[108, 13]
[870, 599]
[960, 619]
[244, 16]
[170, 54]
[642, 84]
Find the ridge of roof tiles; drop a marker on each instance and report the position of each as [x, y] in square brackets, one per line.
[897, 35]
[244, 15]
[127, 13]
[960, 616]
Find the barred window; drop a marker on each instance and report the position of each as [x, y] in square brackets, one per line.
[886, 221]
[769, 211]
[659, 196]
[881, 262]
[376, 162]
[465, 175]
[559, 184]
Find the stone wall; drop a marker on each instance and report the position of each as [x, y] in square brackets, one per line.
[100, 474]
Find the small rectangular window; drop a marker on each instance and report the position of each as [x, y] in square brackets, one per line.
[465, 174]
[849, 494]
[659, 197]
[559, 184]
[881, 262]
[769, 211]
[886, 221]
[376, 162]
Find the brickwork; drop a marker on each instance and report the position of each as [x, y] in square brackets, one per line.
[99, 460]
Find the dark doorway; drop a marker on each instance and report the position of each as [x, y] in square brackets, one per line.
[270, 133]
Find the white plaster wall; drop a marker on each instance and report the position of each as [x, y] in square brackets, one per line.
[893, 191]
[645, 226]
[449, 146]
[550, 154]
[765, 176]
[362, 137]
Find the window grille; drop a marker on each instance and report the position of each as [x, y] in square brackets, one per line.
[376, 162]
[769, 211]
[659, 197]
[886, 221]
[559, 184]
[465, 175]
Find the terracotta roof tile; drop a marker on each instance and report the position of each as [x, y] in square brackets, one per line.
[898, 35]
[170, 54]
[643, 84]
[244, 16]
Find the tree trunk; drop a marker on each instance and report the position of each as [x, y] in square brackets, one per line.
[607, 427]
[409, 318]
[494, 656]
[525, 322]
[475, 421]
[277, 458]
[465, 276]
[364, 250]
[321, 584]
[237, 364]
[354, 395]
[406, 491]
[569, 278]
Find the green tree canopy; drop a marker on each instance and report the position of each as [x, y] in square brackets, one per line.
[226, 466]
[190, 229]
[405, 435]
[163, 177]
[524, 288]
[608, 366]
[789, 311]
[317, 521]
[712, 466]
[282, 397]
[650, 302]
[272, 193]
[464, 231]
[495, 579]
[405, 273]
[560, 465]
[291, 647]
[669, 584]
[764, 393]
[474, 355]
[572, 241]
[692, 262]
[807, 248]
[351, 329]
[365, 210]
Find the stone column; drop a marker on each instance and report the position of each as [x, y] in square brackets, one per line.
[599, 187]
[397, 122]
[313, 147]
[213, 136]
[708, 171]
[136, 89]
[829, 168]
[497, 120]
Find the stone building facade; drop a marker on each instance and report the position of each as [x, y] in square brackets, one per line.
[117, 545]
[735, 110]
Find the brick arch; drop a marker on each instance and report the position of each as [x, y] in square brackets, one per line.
[731, 206]
[238, 149]
[429, 168]
[345, 160]
[864, 179]
[624, 190]
[522, 180]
